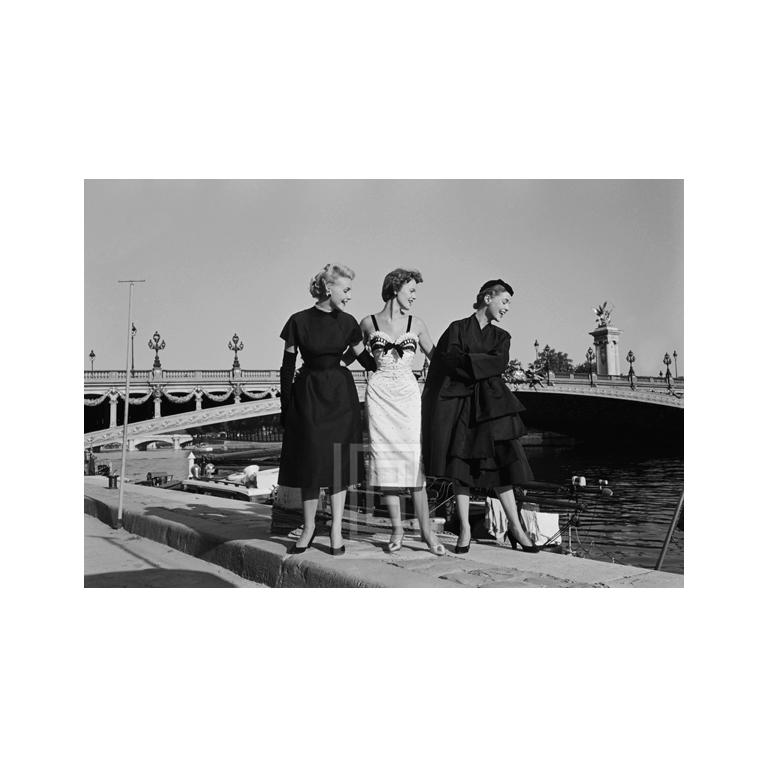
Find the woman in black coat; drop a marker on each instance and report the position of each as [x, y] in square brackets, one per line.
[470, 419]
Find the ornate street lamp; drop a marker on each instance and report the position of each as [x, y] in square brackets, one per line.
[236, 346]
[674, 354]
[536, 350]
[630, 360]
[157, 346]
[590, 360]
[668, 376]
[92, 356]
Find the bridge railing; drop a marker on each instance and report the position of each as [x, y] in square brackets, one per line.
[218, 375]
[246, 376]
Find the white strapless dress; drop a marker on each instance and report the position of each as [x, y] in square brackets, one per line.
[393, 409]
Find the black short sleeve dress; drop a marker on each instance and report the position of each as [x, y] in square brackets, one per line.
[323, 439]
[471, 425]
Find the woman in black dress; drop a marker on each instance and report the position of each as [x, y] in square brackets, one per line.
[320, 410]
[470, 422]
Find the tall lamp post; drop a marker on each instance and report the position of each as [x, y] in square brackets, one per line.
[92, 356]
[630, 360]
[157, 346]
[133, 333]
[674, 354]
[536, 351]
[131, 283]
[668, 376]
[590, 360]
[235, 346]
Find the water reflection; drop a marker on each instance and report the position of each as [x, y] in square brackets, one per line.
[629, 528]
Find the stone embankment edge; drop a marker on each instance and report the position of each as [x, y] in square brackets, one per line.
[260, 560]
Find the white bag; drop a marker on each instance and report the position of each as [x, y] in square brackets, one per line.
[540, 526]
[495, 519]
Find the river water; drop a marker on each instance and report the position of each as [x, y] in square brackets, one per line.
[629, 528]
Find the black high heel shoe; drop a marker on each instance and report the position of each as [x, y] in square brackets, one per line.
[336, 550]
[296, 550]
[515, 544]
[462, 550]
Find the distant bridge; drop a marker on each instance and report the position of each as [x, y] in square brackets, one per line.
[609, 406]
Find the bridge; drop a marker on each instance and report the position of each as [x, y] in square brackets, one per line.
[611, 406]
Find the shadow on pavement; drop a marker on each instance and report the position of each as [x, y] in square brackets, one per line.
[156, 577]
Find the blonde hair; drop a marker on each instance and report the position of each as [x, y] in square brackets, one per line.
[328, 274]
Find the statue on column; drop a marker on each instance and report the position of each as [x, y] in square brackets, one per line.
[606, 341]
[603, 314]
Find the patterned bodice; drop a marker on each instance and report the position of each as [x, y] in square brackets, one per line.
[393, 355]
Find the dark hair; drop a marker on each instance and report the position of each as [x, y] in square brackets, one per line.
[492, 288]
[396, 279]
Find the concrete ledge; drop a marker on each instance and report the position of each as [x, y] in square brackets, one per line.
[236, 535]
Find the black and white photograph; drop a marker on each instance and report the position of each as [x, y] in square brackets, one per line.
[387, 313]
[384, 383]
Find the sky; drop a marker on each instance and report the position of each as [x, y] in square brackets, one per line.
[225, 257]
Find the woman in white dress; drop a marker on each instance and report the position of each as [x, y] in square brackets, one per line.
[393, 404]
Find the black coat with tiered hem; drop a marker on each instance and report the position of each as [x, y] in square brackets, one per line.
[470, 419]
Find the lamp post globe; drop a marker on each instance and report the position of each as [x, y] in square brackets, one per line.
[236, 346]
[668, 376]
[156, 344]
[630, 360]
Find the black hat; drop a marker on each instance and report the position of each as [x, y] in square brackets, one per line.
[491, 283]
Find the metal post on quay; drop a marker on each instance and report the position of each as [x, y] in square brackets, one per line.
[671, 530]
[127, 401]
[133, 333]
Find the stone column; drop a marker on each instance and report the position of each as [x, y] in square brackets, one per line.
[158, 400]
[606, 340]
[176, 443]
[113, 395]
[198, 399]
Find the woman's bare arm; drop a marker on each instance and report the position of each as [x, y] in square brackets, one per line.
[425, 340]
